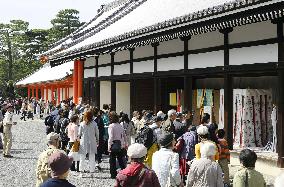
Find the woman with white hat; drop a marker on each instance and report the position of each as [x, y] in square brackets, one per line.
[136, 173]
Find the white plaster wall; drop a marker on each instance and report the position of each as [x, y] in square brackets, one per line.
[123, 97]
[172, 63]
[89, 73]
[210, 39]
[70, 92]
[105, 93]
[121, 69]
[91, 61]
[104, 71]
[253, 32]
[170, 46]
[143, 51]
[121, 56]
[104, 59]
[203, 60]
[256, 54]
[145, 66]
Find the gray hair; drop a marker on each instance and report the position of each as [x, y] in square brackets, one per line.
[207, 149]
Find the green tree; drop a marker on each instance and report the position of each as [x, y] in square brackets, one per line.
[65, 22]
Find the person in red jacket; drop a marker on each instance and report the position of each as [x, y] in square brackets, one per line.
[136, 174]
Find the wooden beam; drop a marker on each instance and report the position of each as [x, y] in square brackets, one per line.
[188, 92]
[132, 82]
[75, 82]
[112, 62]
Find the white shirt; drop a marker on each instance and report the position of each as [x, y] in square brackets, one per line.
[165, 162]
[8, 118]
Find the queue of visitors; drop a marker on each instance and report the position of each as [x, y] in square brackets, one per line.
[148, 150]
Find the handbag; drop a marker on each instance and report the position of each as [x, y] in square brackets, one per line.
[116, 146]
[75, 146]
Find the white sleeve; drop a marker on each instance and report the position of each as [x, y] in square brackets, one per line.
[175, 173]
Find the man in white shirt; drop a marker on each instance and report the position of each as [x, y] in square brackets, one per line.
[7, 133]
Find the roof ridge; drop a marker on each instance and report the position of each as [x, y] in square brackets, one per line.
[114, 4]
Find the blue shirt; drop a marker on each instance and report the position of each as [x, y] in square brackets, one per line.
[57, 183]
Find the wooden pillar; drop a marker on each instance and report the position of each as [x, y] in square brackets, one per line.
[132, 82]
[29, 94]
[228, 90]
[46, 93]
[280, 95]
[113, 95]
[80, 77]
[58, 94]
[97, 83]
[188, 92]
[75, 82]
[187, 80]
[42, 92]
[52, 94]
[65, 92]
[36, 90]
[33, 92]
[113, 85]
[157, 81]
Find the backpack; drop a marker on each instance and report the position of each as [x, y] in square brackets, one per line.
[189, 144]
[145, 136]
[49, 121]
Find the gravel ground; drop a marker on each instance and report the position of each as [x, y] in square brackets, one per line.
[28, 143]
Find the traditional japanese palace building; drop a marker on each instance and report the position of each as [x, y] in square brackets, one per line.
[225, 57]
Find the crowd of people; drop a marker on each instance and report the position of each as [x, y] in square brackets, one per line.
[148, 150]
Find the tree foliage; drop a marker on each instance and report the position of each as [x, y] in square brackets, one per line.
[20, 46]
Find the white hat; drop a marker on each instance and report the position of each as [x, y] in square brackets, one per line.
[171, 112]
[136, 150]
[202, 130]
[161, 114]
[207, 149]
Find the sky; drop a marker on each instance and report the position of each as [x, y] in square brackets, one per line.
[39, 12]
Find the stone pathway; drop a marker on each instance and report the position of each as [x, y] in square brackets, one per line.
[28, 142]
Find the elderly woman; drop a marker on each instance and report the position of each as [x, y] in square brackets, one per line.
[89, 133]
[165, 162]
[203, 135]
[247, 175]
[205, 172]
[136, 173]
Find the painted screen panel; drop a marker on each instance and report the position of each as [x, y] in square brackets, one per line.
[203, 60]
[122, 69]
[145, 66]
[172, 63]
[104, 71]
[256, 54]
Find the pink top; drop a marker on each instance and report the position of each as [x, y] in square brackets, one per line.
[72, 132]
[116, 132]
